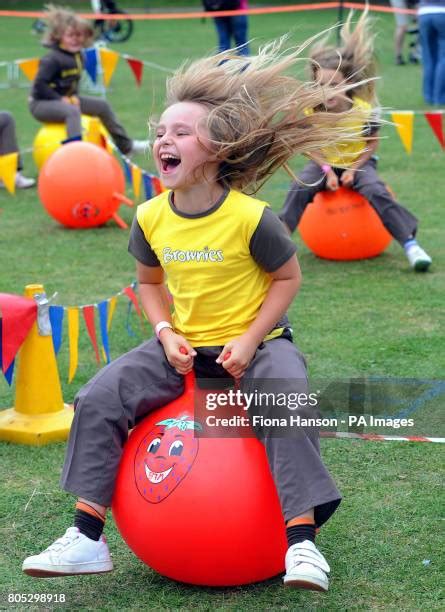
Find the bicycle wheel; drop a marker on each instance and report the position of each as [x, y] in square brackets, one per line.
[117, 31]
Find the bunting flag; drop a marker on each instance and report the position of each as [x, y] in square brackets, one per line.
[103, 309]
[18, 315]
[137, 67]
[404, 124]
[56, 314]
[157, 185]
[130, 332]
[434, 118]
[8, 170]
[128, 291]
[29, 67]
[111, 307]
[127, 170]
[90, 63]
[146, 179]
[88, 315]
[109, 61]
[73, 335]
[136, 179]
[9, 372]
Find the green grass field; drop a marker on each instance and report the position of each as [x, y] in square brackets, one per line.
[373, 318]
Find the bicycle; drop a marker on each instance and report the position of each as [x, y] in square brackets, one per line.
[114, 31]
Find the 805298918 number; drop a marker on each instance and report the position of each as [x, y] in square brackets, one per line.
[36, 598]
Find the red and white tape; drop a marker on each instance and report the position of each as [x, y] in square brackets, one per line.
[378, 437]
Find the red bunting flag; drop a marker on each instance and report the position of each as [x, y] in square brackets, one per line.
[157, 185]
[18, 316]
[137, 67]
[88, 315]
[132, 296]
[434, 118]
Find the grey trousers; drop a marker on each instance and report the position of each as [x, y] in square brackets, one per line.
[58, 111]
[8, 138]
[142, 380]
[399, 222]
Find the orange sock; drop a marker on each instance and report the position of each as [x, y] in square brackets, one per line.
[89, 510]
[300, 520]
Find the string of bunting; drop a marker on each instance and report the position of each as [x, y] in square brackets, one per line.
[18, 314]
[93, 57]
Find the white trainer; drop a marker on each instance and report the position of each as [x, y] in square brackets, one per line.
[21, 182]
[70, 555]
[139, 146]
[306, 568]
[418, 258]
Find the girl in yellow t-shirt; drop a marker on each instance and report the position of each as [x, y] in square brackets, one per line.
[231, 268]
[352, 163]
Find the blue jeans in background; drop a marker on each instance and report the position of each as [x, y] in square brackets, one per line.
[432, 39]
[232, 27]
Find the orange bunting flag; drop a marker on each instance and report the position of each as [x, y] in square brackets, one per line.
[137, 67]
[8, 170]
[29, 67]
[434, 118]
[136, 178]
[108, 60]
[404, 124]
[88, 315]
[111, 306]
[73, 336]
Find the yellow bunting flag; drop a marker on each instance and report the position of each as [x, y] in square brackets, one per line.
[8, 170]
[29, 67]
[108, 60]
[404, 124]
[111, 306]
[136, 177]
[73, 335]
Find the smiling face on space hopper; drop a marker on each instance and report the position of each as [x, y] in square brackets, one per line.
[164, 457]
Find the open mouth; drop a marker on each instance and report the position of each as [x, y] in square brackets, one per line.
[156, 477]
[169, 162]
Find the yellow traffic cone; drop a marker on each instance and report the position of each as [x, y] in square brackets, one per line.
[39, 415]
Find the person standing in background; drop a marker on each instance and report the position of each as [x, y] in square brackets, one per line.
[8, 144]
[403, 23]
[432, 39]
[228, 28]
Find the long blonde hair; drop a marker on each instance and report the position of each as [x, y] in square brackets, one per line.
[59, 19]
[257, 111]
[354, 58]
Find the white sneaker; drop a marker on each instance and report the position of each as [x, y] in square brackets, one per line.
[70, 555]
[418, 258]
[21, 182]
[306, 567]
[139, 146]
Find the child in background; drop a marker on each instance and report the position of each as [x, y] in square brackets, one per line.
[352, 164]
[229, 123]
[55, 92]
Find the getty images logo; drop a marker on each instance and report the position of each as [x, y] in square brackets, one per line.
[206, 254]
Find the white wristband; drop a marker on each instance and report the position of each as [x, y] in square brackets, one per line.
[160, 326]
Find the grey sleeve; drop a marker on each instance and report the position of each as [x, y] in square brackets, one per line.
[270, 245]
[140, 248]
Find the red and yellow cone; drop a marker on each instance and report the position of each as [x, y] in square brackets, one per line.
[40, 415]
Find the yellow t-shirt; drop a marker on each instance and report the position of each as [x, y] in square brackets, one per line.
[217, 285]
[346, 153]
